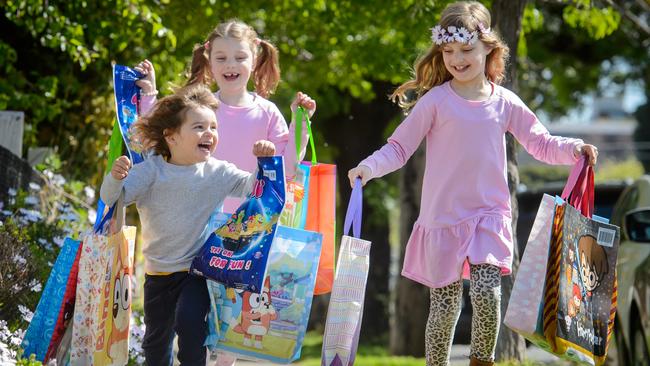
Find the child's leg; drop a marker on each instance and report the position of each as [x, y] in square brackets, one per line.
[190, 324]
[485, 292]
[159, 308]
[444, 311]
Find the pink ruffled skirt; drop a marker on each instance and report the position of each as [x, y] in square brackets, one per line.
[439, 256]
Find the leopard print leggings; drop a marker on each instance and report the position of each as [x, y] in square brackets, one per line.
[485, 293]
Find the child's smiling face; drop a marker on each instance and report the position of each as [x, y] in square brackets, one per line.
[196, 139]
[231, 63]
[465, 62]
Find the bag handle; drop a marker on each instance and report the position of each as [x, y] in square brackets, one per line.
[301, 114]
[116, 212]
[354, 212]
[579, 189]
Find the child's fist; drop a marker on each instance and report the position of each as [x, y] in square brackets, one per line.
[305, 101]
[590, 151]
[121, 167]
[360, 171]
[263, 148]
[148, 80]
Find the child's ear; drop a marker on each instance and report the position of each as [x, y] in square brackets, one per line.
[169, 137]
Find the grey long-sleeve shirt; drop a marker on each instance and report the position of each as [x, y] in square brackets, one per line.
[175, 203]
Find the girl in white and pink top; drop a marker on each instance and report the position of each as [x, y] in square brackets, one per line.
[230, 56]
[464, 226]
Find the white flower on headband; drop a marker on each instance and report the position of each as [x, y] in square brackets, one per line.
[437, 35]
[462, 35]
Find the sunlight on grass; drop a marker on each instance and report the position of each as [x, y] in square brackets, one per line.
[377, 355]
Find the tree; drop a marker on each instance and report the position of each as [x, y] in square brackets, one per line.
[506, 18]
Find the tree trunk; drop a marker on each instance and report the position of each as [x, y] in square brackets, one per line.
[410, 299]
[357, 133]
[506, 18]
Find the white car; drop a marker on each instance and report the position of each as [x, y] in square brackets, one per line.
[632, 326]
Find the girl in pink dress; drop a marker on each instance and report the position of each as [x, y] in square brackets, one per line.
[464, 226]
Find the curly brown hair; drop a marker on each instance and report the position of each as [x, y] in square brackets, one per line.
[168, 116]
[429, 68]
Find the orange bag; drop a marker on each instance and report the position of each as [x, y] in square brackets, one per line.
[321, 210]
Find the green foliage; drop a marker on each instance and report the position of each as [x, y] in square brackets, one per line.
[614, 170]
[573, 52]
[599, 23]
[56, 66]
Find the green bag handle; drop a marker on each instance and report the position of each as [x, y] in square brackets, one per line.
[300, 114]
[114, 146]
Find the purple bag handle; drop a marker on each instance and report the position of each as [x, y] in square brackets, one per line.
[355, 208]
[573, 177]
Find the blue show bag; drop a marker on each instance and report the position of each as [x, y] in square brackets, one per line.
[236, 253]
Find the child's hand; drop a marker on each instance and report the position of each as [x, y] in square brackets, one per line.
[121, 168]
[360, 171]
[590, 151]
[148, 80]
[305, 101]
[263, 148]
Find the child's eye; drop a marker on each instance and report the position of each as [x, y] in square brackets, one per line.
[221, 59]
[468, 50]
[241, 58]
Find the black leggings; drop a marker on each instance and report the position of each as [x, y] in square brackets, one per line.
[175, 303]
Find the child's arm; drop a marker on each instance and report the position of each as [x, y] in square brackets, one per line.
[285, 142]
[242, 181]
[148, 85]
[543, 146]
[123, 176]
[401, 144]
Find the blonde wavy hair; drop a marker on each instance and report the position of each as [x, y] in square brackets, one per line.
[429, 68]
[266, 71]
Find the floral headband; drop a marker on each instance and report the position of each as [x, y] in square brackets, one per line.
[441, 35]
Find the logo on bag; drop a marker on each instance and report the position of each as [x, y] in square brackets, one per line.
[270, 174]
[258, 188]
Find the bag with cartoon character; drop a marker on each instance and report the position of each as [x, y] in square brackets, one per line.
[269, 326]
[581, 287]
[572, 314]
[236, 253]
[102, 311]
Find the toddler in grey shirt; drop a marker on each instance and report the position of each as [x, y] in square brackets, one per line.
[175, 192]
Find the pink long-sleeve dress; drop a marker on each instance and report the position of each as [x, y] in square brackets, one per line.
[465, 214]
[240, 127]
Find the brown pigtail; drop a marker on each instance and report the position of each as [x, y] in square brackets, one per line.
[267, 69]
[200, 69]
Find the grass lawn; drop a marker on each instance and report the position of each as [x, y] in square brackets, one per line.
[378, 356]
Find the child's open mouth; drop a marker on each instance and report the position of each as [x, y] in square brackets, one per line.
[461, 68]
[205, 146]
[231, 76]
